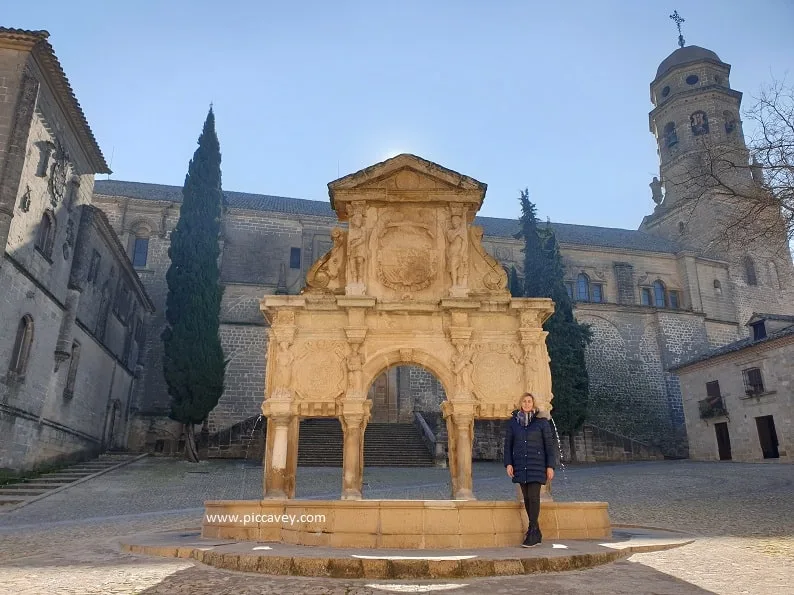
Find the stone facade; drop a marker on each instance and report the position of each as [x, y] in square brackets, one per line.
[72, 310]
[729, 415]
[269, 243]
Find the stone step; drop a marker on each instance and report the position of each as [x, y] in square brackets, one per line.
[71, 475]
[15, 499]
[57, 479]
[19, 492]
[33, 486]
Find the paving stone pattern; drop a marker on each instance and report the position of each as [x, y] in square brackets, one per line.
[741, 513]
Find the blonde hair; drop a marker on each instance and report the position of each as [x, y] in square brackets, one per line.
[521, 398]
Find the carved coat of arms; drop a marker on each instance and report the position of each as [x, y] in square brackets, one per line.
[406, 252]
[58, 173]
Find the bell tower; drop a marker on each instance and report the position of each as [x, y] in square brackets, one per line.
[708, 192]
[696, 123]
[694, 107]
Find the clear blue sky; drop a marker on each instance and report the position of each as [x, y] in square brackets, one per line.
[553, 96]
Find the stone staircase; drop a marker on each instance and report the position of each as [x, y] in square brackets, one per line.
[385, 445]
[243, 440]
[13, 495]
[597, 445]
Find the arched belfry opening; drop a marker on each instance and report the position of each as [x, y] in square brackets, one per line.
[406, 283]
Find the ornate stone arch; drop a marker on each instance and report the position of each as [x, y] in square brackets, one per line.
[425, 292]
[382, 361]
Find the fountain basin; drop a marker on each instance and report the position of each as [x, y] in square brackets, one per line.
[411, 524]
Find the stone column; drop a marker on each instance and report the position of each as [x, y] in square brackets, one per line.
[460, 428]
[281, 442]
[354, 418]
[464, 439]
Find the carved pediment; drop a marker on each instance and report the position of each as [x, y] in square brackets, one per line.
[406, 178]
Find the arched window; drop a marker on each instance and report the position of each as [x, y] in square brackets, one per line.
[658, 294]
[583, 288]
[749, 271]
[774, 278]
[45, 239]
[730, 122]
[140, 246]
[22, 343]
[717, 287]
[670, 135]
[699, 122]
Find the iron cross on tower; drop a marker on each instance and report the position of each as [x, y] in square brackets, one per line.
[678, 20]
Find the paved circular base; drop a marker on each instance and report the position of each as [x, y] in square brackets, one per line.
[283, 559]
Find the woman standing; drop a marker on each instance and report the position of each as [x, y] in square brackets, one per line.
[530, 459]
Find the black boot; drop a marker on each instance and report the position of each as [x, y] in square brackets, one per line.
[533, 537]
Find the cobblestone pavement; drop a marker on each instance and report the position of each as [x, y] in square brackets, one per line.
[743, 515]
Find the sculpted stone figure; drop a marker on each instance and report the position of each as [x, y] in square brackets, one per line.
[354, 367]
[656, 190]
[284, 359]
[357, 246]
[456, 251]
[462, 366]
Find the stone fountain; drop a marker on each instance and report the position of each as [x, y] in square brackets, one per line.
[408, 281]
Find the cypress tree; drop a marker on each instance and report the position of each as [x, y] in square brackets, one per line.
[567, 339]
[516, 290]
[193, 361]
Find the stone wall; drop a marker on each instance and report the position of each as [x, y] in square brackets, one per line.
[774, 359]
[245, 347]
[43, 422]
[630, 392]
[71, 398]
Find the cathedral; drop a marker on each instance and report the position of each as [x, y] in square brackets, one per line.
[83, 283]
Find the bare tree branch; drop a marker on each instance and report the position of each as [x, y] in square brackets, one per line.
[751, 201]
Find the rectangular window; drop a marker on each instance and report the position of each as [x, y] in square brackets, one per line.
[759, 330]
[93, 268]
[646, 296]
[753, 381]
[673, 296]
[294, 258]
[140, 252]
[569, 289]
[596, 294]
[713, 388]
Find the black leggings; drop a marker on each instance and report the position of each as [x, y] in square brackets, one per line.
[531, 493]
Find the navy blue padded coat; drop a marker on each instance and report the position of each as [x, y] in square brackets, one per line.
[530, 450]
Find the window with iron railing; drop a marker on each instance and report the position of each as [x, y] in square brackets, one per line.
[713, 405]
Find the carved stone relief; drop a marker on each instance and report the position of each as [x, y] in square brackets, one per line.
[69, 243]
[328, 273]
[498, 371]
[322, 366]
[407, 258]
[356, 245]
[59, 169]
[487, 274]
[457, 249]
